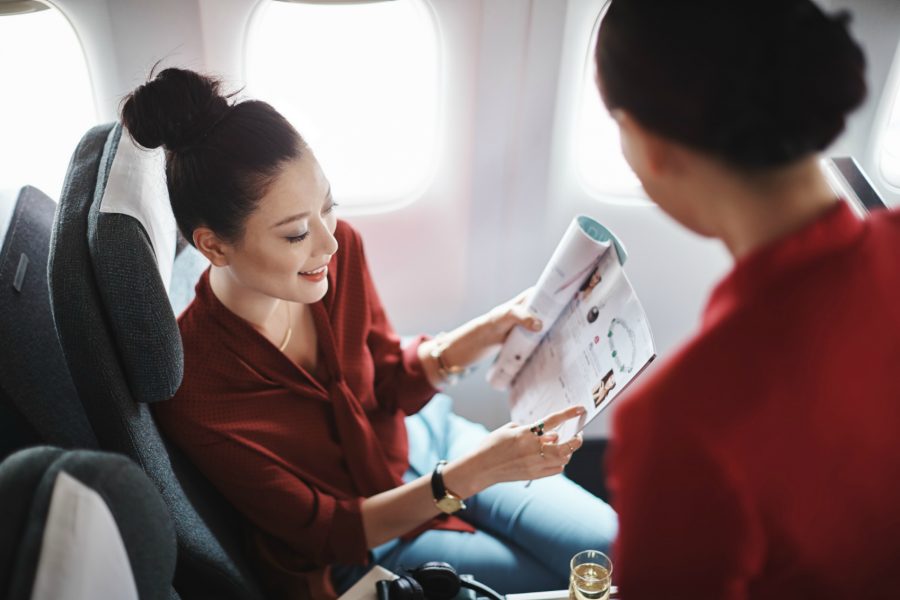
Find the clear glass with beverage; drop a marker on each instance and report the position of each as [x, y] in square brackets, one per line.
[591, 576]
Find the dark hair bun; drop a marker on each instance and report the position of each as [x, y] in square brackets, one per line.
[757, 84]
[176, 109]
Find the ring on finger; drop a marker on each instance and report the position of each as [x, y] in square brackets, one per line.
[537, 429]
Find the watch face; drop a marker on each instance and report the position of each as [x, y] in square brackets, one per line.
[449, 504]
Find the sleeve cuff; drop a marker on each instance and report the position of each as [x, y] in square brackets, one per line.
[347, 539]
[419, 390]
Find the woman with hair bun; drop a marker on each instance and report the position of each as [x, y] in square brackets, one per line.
[296, 387]
[762, 460]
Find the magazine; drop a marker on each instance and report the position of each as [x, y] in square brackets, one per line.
[596, 338]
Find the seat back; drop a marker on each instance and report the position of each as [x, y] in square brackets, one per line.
[111, 257]
[82, 521]
[20, 475]
[38, 401]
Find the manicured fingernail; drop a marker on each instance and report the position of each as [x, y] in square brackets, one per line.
[536, 324]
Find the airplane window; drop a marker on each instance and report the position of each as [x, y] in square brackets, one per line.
[360, 83]
[601, 166]
[889, 156]
[47, 103]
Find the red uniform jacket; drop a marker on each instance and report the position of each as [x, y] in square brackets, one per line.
[763, 460]
[296, 452]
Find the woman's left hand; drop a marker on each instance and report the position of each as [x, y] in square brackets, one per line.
[471, 342]
[501, 320]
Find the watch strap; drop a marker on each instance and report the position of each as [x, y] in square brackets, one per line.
[438, 490]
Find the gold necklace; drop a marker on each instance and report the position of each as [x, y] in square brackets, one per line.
[287, 334]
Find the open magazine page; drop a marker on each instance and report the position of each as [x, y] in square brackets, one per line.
[573, 260]
[599, 343]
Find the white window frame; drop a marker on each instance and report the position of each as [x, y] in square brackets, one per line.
[64, 151]
[414, 192]
[622, 193]
[889, 121]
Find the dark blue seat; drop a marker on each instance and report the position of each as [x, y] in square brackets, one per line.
[38, 401]
[111, 259]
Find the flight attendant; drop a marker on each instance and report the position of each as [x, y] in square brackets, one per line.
[296, 388]
[762, 460]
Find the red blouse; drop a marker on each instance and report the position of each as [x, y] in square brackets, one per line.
[763, 459]
[297, 452]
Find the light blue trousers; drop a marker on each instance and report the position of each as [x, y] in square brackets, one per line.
[526, 535]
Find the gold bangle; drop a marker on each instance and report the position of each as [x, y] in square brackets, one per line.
[448, 374]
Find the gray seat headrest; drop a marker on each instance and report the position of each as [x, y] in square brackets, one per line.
[131, 239]
[136, 186]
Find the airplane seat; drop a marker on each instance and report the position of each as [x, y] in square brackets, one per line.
[77, 525]
[111, 259]
[38, 400]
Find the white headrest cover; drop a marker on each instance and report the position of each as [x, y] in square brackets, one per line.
[137, 187]
[82, 553]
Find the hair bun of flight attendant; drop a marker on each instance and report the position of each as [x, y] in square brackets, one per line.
[756, 84]
[221, 156]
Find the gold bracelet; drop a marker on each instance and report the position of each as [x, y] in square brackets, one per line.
[448, 374]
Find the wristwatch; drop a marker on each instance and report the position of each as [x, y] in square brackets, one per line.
[446, 501]
[451, 374]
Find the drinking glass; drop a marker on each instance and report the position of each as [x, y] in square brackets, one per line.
[591, 576]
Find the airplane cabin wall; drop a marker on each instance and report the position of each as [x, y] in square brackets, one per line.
[122, 39]
[505, 188]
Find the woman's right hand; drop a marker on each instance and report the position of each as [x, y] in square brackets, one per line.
[514, 453]
[510, 453]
